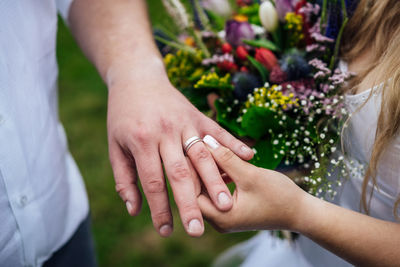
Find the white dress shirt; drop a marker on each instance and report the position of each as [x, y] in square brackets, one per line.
[42, 195]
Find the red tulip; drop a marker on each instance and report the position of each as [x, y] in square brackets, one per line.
[226, 48]
[241, 53]
[244, 69]
[266, 57]
[244, 2]
[227, 66]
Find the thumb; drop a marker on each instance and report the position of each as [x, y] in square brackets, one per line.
[221, 221]
[236, 168]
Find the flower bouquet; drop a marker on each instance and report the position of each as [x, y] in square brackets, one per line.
[274, 71]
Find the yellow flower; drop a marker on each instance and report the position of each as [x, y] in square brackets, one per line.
[272, 98]
[212, 80]
[190, 41]
[294, 23]
[241, 18]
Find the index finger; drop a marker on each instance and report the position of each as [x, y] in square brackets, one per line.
[229, 141]
[236, 168]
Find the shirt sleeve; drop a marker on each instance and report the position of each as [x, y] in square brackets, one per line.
[63, 7]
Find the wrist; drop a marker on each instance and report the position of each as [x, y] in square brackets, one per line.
[308, 217]
[139, 71]
[303, 215]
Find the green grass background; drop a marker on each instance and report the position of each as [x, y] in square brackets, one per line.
[120, 240]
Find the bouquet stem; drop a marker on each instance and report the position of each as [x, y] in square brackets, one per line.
[339, 37]
[196, 35]
[175, 44]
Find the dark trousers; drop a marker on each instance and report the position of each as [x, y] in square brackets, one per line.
[78, 251]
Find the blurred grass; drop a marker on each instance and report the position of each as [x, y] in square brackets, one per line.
[120, 240]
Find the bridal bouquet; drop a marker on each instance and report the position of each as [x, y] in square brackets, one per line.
[273, 71]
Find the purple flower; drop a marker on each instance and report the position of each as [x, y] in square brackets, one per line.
[236, 31]
[323, 70]
[321, 38]
[309, 9]
[283, 7]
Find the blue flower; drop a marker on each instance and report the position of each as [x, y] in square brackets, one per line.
[244, 84]
[295, 66]
[335, 17]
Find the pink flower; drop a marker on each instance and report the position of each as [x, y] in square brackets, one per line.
[309, 9]
[321, 38]
[277, 75]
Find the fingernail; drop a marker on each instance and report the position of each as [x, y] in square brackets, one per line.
[246, 149]
[210, 141]
[166, 230]
[195, 227]
[224, 199]
[128, 207]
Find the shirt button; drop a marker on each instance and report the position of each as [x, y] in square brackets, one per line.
[22, 201]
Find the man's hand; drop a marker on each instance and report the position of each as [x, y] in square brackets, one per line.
[148, 121]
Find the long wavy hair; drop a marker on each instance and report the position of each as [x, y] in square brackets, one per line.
[375, 25]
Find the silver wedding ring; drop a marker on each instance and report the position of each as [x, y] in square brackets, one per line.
[190, 142]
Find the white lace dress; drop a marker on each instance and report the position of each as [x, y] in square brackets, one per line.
[266, 250]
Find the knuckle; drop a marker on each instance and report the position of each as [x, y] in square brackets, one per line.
[121, 187]
[154, 186]
[180, 171]
[201, 153]
[123, 190]
[146, 174]
[226, 155]
[166, 125]
[161, 216]
[189, 207]
[220, 132]
[141, 135]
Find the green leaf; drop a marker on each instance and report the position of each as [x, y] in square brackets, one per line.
[260, 67]
[197, 97]
[227, 121]
[258, 120]
[218, 21]
[262, 43]
[265, 156]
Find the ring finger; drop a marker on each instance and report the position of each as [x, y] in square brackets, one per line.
[207, 169]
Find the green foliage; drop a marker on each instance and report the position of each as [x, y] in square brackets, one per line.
[197, 97]
[227, 121]
[257, 121]
[252, 13]
[266, 156]
[262, 43]
[217, 21]
[260, 68]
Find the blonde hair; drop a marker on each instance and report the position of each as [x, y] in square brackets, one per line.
[376, 25]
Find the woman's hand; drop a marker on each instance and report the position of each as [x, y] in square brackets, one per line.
[266, 199]
[263, 199]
